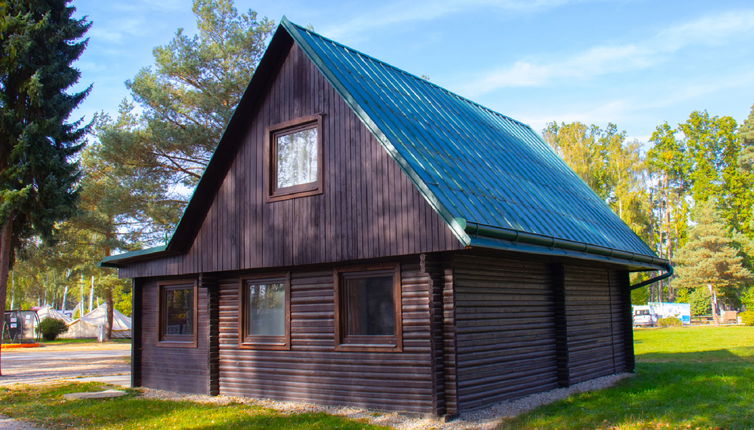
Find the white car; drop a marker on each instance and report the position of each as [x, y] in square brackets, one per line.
[643, 318]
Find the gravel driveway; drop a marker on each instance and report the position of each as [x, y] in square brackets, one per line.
[106, 362]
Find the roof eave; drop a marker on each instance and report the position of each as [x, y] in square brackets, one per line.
[512, 240]
[121, 260]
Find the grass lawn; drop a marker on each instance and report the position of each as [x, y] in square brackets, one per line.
[69, 341]
[45, 406]
[701, 377]
[697, 377]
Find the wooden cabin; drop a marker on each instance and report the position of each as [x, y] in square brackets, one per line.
[364, 237]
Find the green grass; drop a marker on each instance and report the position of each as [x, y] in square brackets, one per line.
[45, 406]
[685, 378]
[700, 377]
[67, 341]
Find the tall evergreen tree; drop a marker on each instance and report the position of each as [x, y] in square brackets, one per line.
[39, 41]
[710, 260]
[163, 138]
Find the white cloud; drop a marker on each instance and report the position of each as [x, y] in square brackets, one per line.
[626, 109]
[426, 10]
[119, 31]
[606, 59]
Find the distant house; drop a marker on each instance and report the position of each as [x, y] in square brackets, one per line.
[364, 237]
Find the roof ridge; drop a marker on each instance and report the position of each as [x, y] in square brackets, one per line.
[398, 69]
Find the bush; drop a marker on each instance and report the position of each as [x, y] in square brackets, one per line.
[747, 299]
[747, 318]
[669, 322]
[51, 328]
[700, 302]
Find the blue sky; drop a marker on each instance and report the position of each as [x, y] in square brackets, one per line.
[632, 62]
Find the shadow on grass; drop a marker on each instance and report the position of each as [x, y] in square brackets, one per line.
[675, 390]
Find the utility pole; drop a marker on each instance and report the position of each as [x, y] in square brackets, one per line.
[12, 290]
[83, 297]
[91, 295]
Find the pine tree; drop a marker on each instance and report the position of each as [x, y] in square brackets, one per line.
[39, 41]
[163, 138]
[710, 260]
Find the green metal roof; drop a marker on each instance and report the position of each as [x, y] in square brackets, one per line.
[493, 179]
[474, 165]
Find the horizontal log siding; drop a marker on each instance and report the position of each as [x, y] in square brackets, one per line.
[596, 323]
[623, 320]
[312, 371]
[169, 368]
[505, 329]
[369, 207]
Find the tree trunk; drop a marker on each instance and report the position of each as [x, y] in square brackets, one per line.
[713, 304]
[6, 233]
[109, 299]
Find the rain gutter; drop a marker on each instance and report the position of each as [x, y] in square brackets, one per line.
[600, 252]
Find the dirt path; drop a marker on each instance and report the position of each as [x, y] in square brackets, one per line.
[108, 362]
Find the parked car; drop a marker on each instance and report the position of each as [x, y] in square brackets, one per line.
[643, 317]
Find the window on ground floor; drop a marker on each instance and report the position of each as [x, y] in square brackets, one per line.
[178, 312]
[368, 309]
[265, 315]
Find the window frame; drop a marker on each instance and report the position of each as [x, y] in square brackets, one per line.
[177, 341]
[375, 343]
[246, 341]
[273, 193]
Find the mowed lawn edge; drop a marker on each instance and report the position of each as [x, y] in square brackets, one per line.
[685, 378]
[696, 377]
[44, 405]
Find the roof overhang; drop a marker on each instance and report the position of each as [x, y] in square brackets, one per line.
[121, 260]
[484, 236]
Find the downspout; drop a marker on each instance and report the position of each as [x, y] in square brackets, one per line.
[668, 273]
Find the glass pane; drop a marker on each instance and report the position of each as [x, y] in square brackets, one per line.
[297, 158]
[265, 309]
[369, 306]
[179, 307]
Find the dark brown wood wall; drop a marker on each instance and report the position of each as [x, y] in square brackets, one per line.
[595, 312]
[525, 325]
[369, 207]
[505, 329]
[172, 368]
[312, 370]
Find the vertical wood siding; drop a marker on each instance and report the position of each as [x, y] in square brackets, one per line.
[312, 370]
[505, 329]
[369, 207]
[170, 368]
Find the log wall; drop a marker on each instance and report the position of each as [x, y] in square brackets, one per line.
[312, 370]
[183, 369]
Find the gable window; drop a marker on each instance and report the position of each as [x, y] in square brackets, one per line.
[295, 158]
[265, 313]
[368, 309]
[178, 313]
